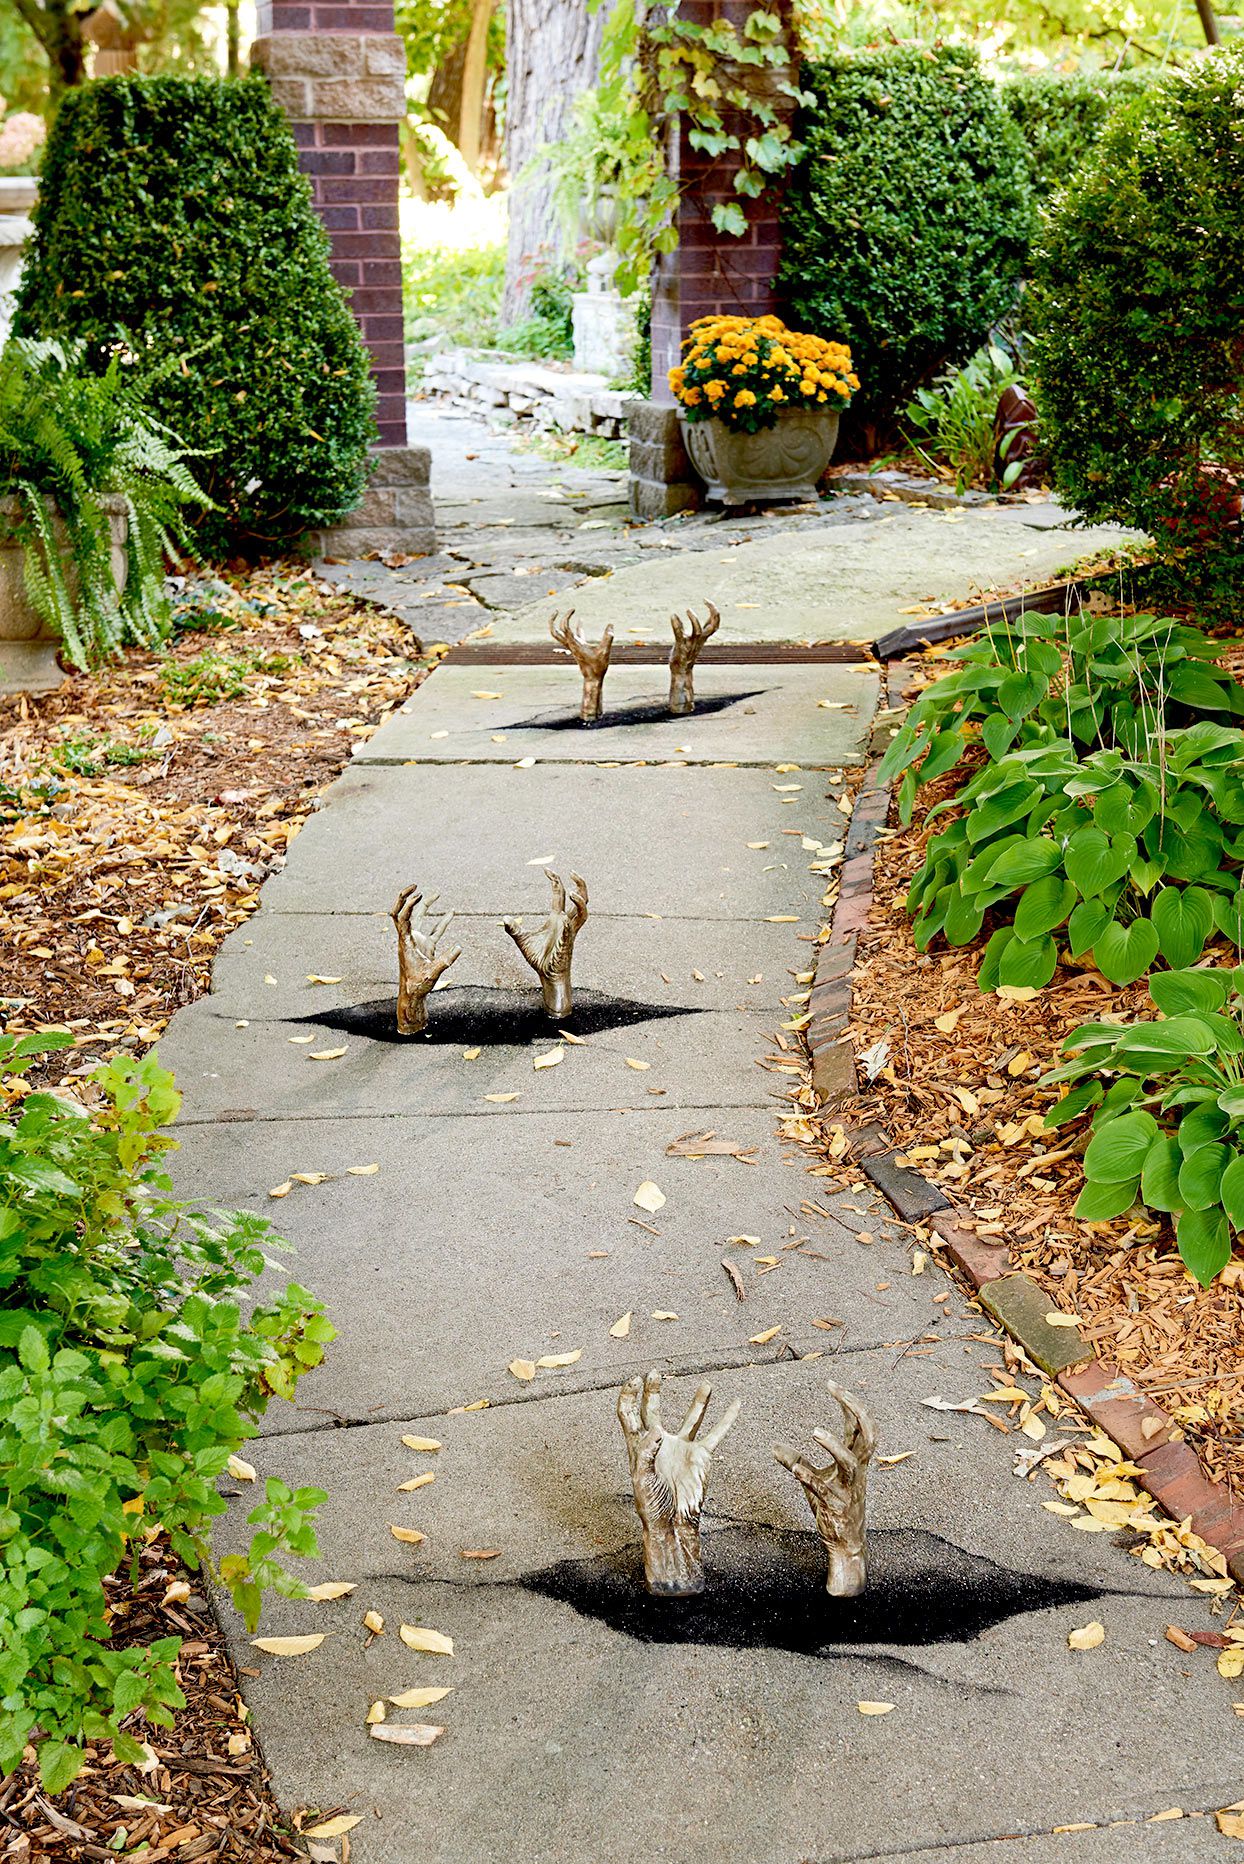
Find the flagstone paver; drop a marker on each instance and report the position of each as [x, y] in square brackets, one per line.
[586, 1723]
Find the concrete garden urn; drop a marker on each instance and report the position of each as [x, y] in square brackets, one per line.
[28, 661]
[779, 462]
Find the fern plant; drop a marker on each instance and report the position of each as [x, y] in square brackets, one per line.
[70, 440]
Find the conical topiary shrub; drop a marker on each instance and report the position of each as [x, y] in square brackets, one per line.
[173, 219]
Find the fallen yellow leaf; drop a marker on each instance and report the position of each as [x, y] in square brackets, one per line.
[417, 1482]
[326, 1054]
[762, 1339]
[421, 1443]
[313, 978]
[470, 1054]
[1087, 1637]
[362, 1171]
[649, 1196]
[632, 1063]
[1062, 1320]
[874, 1708]
[888, 1462]
[309, 1177]
[552, 1360]
[240, 1469]
[419, 1698]
[290, 1646]
[661, 1313]
[522, 1368]
[550, 1058]
[373, 1622]
[281, 1190]
[409, 1535]
[499, 1099]
[331, 1589]
[334, 1828]
[622, 1327]
[418, 1637]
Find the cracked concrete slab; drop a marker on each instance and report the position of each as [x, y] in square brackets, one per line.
[812, 715]
[738, 1711]
[851, 585]
[481, 836]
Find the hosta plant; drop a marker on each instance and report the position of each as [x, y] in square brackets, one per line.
[1121, 857]
[1100, 680]
[1167, 1099]
[134, 1362]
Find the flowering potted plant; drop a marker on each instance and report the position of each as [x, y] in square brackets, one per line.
[759, 406]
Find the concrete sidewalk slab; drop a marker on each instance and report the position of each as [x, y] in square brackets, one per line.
[850, 585]
[482, 836]
[512, 1234]
[693, 1061]
[744, 715]
[754, 965]
[739, 1711]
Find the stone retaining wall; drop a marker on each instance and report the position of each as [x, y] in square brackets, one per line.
[563, 398]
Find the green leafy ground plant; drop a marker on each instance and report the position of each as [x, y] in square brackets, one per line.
[1167, 1102]
[129, 1374]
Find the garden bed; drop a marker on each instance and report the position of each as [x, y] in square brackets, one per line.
[141, 807]
[140, 810]
[956, 1090]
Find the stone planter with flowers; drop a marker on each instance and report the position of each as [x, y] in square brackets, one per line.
[759, 407]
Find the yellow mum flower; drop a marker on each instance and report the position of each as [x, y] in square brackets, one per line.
[714, 390]
[777, 393]
[745, 399]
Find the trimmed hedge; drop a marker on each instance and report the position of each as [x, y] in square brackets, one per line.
[173, 218]
[1137, 314]
[1061, 118]
[905, 227]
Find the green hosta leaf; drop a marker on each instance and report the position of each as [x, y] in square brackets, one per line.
[1159, 1047]
[1043, 905]
[964, 917]
[1229, 916]
[1159, 1178]
[1002, 808]
[1029, 963]
[1024, 863]
[1124, 953]
[1118, 1149]
[1117, 810]
[1094, 861]
[1174, 991]
[987, 976]
[1187, 851]
[1200, 1175]
[1184, 918]
[1231, 1191]
[1194, 686]
[1087, 923]
[1204, 1243]
[944, 753]
[998, 735]
[1202, 1126]
[1021, 693]
[1144, 874]
[1098, 1202]
[1072, 1105]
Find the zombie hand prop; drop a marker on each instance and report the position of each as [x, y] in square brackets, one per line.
[836, 1493]
[550, 950]
[418, 966]
[684, 654]
[669, 1474]
[591, 658]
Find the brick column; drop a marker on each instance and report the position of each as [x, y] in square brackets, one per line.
[339, 72]
[708, 273]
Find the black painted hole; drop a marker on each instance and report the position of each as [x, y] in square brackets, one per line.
[477, 1017]
[766, 1588]
[632, 712]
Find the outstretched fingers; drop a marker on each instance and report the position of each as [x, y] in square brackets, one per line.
[650, 1408]
[442, 964]
[719, 1430]
[559, 891]
[404, 906]
[628, 1408]
[860, 1431]
[696, 1411]
[790, 1459]
[841, 1455]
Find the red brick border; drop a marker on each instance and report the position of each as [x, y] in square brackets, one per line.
[1147, 1435]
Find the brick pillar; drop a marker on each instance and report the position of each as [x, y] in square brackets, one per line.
[338, 69]
[708, 273]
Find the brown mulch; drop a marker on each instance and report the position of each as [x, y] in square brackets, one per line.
[140, 809]
[959, 1095]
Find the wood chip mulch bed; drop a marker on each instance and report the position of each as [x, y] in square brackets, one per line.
[141, 807]
[958, 1095]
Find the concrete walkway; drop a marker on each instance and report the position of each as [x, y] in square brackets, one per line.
[588, 1724]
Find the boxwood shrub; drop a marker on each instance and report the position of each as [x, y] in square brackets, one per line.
[173, 219]
[1060, 117]
[1136, 310]
[905, 227]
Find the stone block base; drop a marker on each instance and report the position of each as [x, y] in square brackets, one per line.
[395, 512]
[663, 480]
[30, 667]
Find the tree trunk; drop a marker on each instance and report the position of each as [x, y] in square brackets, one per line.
[474, 79]
[552, 56]
[1209, 24]
[445, 91]
[233, 40]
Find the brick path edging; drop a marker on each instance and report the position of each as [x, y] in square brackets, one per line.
[1147, 1435]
